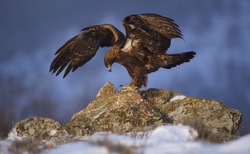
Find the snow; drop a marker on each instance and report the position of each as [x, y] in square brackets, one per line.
[241, 145]
[164, 139]
[179, 97]
[13, 135]
[179, 139]
[52, 132]
[78, 148]
[174, 133]
[98, 115]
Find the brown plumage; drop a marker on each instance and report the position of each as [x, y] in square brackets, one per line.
[142, 51]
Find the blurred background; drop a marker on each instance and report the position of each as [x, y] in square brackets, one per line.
[31, 31]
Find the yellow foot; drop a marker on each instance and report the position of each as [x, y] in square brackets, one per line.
[127, 88]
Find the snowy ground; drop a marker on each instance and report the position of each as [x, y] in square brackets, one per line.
[165, 139]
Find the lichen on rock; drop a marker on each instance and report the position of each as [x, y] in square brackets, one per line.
[121, 112]
[128, 111]
[36, 127]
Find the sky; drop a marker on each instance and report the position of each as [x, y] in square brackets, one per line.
[32, 31]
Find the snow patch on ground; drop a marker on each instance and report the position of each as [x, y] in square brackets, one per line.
[164, 139]
[173, 133]
[95, 117]
[52, 132]
[78, 148]
[13, 135]
[179, 97]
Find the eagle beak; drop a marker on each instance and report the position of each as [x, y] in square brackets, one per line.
[109, 68]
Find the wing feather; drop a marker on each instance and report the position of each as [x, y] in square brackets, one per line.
[152, 32]
[81, 48]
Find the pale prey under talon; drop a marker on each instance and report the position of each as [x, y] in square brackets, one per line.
[119, 89]
[127, 88]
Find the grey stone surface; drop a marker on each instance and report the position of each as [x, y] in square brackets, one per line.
[131, 111]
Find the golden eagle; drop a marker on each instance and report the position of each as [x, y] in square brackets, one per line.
[141, 51]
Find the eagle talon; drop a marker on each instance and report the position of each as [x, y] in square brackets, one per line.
[118, 90]
[137, 89]
[127, 88]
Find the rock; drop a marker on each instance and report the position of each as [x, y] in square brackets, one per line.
[217, 116]
[117, 112]
[130, 111]
[106, 91]
[121, 112]
[39, 128]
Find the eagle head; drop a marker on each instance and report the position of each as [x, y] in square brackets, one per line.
[109, 67]
[108, 61]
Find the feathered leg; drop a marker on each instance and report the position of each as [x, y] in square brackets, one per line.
[139, 79]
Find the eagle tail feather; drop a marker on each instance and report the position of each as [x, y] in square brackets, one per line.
[172, 60]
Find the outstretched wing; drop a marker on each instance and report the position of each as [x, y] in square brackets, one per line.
[149, 32]
[81, 48]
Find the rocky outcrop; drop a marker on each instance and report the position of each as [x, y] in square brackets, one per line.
[216, 116]
[39, 128]
[122, 112]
